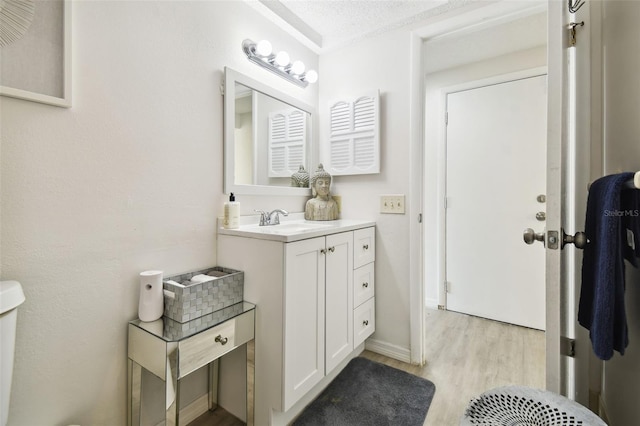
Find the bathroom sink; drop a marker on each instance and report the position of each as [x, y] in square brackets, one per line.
[287, 228]
[293, 229]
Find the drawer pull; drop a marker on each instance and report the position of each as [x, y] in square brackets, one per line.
[221, 340]
[365, 246]
[365, 323]
[365, 285]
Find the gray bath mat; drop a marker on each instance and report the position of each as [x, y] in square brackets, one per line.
[372, 394]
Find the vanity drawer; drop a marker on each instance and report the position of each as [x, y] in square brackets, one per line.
[364, 321]
[364, 246]
[199, 350]
[363, 284]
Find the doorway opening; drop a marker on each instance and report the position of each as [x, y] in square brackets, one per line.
[485, 56]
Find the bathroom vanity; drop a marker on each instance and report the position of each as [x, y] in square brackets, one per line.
[313, 285]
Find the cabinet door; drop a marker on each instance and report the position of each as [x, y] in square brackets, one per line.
[303, 318]
[339, 298]
[364, 246]
[364, 321]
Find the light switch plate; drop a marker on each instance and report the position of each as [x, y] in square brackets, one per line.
[393, 204]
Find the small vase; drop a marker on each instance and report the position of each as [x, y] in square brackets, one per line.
[300, 179]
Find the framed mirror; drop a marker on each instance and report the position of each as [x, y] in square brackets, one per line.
[268, 135]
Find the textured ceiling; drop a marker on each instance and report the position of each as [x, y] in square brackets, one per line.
[340, 20]
[332, 23]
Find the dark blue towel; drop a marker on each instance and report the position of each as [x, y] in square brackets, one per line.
[601, 308]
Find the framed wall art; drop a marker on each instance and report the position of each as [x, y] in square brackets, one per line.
[35, 51]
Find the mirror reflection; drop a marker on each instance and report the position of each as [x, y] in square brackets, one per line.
[271, 139]
[268, 139]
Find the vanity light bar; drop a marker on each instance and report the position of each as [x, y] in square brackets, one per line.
[261, 53]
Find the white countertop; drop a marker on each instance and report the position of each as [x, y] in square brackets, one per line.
[292, 228]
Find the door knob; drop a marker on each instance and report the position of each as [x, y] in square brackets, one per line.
[579, 239]
[530, 236]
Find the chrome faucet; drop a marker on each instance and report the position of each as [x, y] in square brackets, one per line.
[276, 221]
[267, 219]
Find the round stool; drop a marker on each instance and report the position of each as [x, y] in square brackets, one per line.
[519, 405]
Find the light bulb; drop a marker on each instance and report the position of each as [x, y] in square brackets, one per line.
[282, 59]
[297, 67]
[311, 76]
[263, 48]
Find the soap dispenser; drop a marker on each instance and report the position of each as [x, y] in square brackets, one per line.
[231, 213]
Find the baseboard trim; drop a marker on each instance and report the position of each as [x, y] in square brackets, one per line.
[431, 303]
[388, 349]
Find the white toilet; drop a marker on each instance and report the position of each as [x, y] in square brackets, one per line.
[11, 296]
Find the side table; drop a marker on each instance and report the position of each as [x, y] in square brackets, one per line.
[171, 350]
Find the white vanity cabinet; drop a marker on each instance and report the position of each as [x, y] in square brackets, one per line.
[305, 290]
[318, 313]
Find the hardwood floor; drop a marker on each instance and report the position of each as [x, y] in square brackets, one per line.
[466, 356]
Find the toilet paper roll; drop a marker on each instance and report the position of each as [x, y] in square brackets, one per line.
[151, 305]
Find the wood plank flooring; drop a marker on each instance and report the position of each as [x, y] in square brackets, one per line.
[466, 356]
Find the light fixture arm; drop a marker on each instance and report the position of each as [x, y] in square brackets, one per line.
[249, 48]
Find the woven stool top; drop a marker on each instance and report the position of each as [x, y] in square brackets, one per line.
[522, 406]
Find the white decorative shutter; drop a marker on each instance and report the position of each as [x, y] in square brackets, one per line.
[354, 136]
[287, 138]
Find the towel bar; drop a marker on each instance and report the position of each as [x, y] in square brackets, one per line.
[633, 183]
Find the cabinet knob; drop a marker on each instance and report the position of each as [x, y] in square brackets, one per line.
[365, 285]
[332, 249]
[323, 251]
[221, 340]
[365, 323]
[365, 246]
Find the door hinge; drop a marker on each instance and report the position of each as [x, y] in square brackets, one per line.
[447, 286]
[419, 217]
[446, 117]
[222, 88]
[568, 347]
[446, 203]
[572, 32]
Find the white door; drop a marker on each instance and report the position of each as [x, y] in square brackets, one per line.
[496, 154]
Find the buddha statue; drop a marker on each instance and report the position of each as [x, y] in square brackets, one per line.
[322, 206]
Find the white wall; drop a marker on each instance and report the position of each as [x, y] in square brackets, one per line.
[129, 179]
[497, 55]
[350, 72]
[467, 46]
[621, 65]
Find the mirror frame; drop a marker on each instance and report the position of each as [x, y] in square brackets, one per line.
[231, 77]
